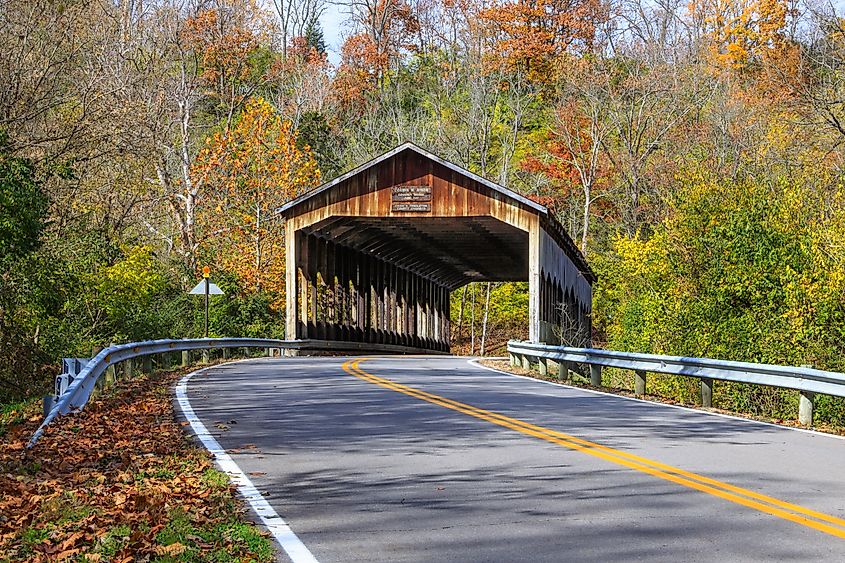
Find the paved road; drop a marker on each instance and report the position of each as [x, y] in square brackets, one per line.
[467, 464]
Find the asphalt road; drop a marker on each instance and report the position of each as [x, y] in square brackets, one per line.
[466, 464]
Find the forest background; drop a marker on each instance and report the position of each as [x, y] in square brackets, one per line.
[694, 151]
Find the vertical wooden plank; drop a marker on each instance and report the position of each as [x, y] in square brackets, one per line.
[302, 290]
[312, 286]
[290, 280]
[534, 265]
[447, 296]
[322, 313]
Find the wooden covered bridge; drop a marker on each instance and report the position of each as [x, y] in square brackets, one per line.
[373, 255]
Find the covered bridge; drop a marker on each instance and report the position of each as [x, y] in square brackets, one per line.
[373, 255]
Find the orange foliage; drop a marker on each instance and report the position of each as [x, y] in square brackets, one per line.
[247, 173]
[385, 28]
[361, 66]
[224, 49]
[742, 31]
[533, 33]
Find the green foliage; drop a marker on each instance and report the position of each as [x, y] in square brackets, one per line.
[740, 271]
[314, 37]
[23, 206]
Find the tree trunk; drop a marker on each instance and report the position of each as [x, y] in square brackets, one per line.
[586, 225]
[484, 322]
[257, 246]
[459, 340]
[472, 324]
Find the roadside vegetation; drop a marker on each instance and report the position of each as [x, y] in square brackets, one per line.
[120, 481]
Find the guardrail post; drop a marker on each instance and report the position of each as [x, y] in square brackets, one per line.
[805, 408]
[225, 353]
[514, 360]
[109, 377]
[526, 364]
[129, 368]
[639, 382]
[205, 356]
[147, 364]
[542, 366]
[706, 392]
[595, 375]
[186, 358]
[553, 366]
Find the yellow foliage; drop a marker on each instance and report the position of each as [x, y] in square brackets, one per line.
[741, 31]
[247, 172]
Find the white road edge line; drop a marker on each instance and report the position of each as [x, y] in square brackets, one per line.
[287, 539]
[476, 363]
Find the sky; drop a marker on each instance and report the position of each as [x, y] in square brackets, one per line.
[333, 29]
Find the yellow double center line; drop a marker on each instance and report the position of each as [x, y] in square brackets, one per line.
[788, 511]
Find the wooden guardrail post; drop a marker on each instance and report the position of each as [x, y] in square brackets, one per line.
[526, 363]
[542, 366]
[805, 407]
[706, 392]
[514, 360]
[147, 364]
[554, 367]
[595, 375]
[109, 377]
[639, 382]
[205, 356]
[129, 368]
[186, 358]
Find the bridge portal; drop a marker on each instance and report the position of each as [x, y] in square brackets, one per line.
[373, 255]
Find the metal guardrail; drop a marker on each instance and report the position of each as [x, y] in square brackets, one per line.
[807, 380]
[79, 390]
[80, 374]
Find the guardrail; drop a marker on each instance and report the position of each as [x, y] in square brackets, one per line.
[75, 385]
[79, 390]
[805, 379]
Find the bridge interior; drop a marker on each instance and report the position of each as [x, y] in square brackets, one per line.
[374, 255]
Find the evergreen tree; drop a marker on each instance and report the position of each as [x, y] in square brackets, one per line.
[314, 36]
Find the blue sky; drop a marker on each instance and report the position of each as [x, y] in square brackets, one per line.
[334, 30]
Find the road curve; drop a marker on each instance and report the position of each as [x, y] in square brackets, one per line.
[437, 459]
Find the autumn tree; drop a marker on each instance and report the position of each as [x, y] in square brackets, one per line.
[248, 172]
[740, 32]
[532, 34]
[382, 30]
[227, 50]
[573, 156]
[297, 18]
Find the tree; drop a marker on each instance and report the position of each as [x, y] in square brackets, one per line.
[300, 18]
[741, 32]
[532, 34]
[23, 206]
[249, 171]
[574, 151]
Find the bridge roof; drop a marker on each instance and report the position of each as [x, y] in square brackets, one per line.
[335, 188]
